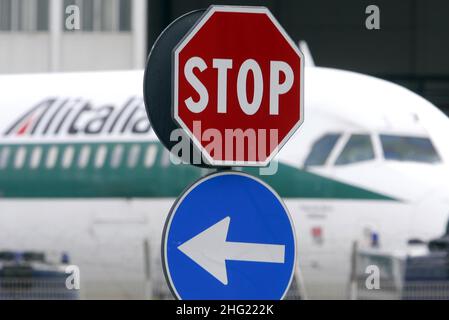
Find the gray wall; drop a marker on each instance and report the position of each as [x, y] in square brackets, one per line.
[30, 52]
[412, 46]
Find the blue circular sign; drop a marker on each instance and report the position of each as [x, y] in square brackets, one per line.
[229, 236]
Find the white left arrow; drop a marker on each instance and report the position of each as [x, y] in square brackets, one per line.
[210, 250]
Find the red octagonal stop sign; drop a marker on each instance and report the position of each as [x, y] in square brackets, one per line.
[238, 86]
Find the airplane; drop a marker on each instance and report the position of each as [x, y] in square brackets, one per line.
[82, 172]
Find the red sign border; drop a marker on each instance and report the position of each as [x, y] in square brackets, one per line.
[192, 32]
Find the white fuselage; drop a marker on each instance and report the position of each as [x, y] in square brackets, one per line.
[105, 236]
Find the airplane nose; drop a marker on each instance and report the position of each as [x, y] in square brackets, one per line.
[437, 183]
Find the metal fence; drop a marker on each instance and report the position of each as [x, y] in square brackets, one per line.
[36, 289]
[400, 275]
[414, 290]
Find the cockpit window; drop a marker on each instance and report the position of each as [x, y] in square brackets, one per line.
[358, 148]
[403, 148]
[321, 150]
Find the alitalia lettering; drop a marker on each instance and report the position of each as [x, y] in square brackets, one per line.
[77, 116]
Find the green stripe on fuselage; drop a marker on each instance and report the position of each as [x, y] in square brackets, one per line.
[33, 177]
